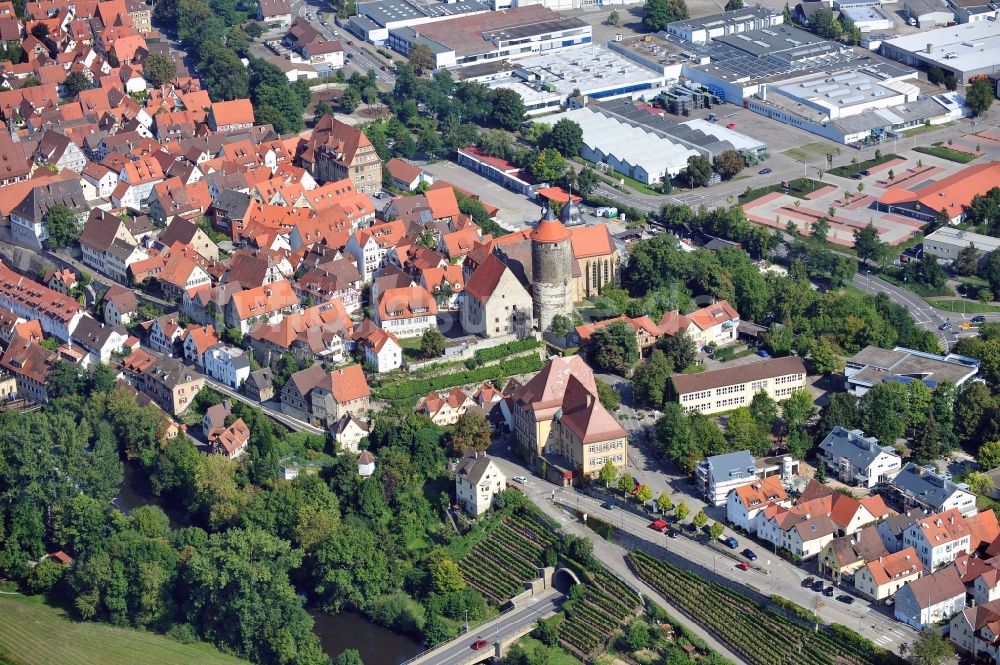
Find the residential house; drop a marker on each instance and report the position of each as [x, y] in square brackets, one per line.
[881, 578]
[891, 530]
[265, 304]
[29, 363]
[173, 200]
[98, 181]
[171, 384]
[228, 365]
[716, 391]
[314, 334]
[406, 312]
[366, 464]
[187, 233]
[939, 539]
[296, 395]
[197, 341]
[14, 164]
[333, 280]
[927, 489]
[108, 246]
[844, 556]
[57, 151]
[407, 176]
[231, 441]
[494, 301]
[799, 532]
[274, 12]
[858, 460]
[382, 350]
[713, 324]
[975, 631]
[445, 409]
[336, 150]
[61, 281]
[348, 432]
[558, 417]
[260, 385]
[136, 180]
[215, 417]
[646, 332]
[164, 334]
[326, 54]
[932, 598]
[98, 339]
[342, 391]
[27, 219]
[477, 482]
[718, 475]
[57, 314]
[746, 503]
[371, 246]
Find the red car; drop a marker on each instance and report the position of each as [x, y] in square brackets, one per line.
[479, 644]
[658, 525]
[743, 565]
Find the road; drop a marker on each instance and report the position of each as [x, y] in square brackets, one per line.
[459, 650]
[770, 574]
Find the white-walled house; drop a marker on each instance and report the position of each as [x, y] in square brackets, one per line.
[349, 431]
[228, 365]
[382, 350]
[856, 459]
[745, 504]
[883, 577]
[477, 481]
[932, 598]
[939, 539]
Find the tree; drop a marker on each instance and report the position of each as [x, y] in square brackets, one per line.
[798, 409]
[348, 657]
[472, 432]
[656, 14]
[979, 96]
[679, 349]
[991, 270]
[820, 229]
[764, 410]
[159, 69]
[76, 83]
[729, 163]
[935, 75]
[675, 438]
[626, 483]
[743, 432]
[607, 396]
[664, 503]
[254, 30]
[988, 456]
[700, 519]
[651, 379]
[973, 408]
[238, 40]
[62, 225]
[930, 648]
[979, 482]
[608, 473]
[561, 325]
[508, 109]
[432, 343]
[967, 261]
[682, 511]
[548, 166]
[615, 348]
[699, 169]
[350, 100]
[225, 76]
[614, 18]
[644, 494]
[421, 58]
[566, 137]
[637, 635]
[733, 5]
[825, 25]
[950, 82]
[716, 530]
[445, 576]
[867, 243]
[824, 359]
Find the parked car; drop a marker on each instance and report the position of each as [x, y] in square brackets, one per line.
[945, 326]
[519, 480]
[673, 533]
[658, 525]
[750, 554]
[729, 542]
[808, 582]
[828, 591]
[479, 644]
[978, 319]
[890, 601]
[763, 353]
[607, 505]
[844, 598]
[764, 171]
[818, 585]
[743, 565]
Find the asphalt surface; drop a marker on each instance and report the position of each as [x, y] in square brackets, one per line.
[459, 651]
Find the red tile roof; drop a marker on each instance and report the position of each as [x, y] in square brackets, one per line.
[349, 384]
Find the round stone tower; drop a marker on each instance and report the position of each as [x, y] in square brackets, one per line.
[551, 269]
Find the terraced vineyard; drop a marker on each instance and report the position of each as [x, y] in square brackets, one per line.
[761, 636]
[510, 555]
[597, 616]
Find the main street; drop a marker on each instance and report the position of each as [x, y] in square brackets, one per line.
[769, 575]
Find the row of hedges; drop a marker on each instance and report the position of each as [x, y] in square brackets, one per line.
[510, 348]
[410, 389]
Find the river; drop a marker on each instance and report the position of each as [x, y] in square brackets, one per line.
[350, 630]
[135, 492]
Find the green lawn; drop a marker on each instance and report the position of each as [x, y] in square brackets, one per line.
[804, 153]
[923, 129]
[554, 655]
[964, 306]
[850, 169]
[921, 290]
[36, 634]
[946, 153]
[798, 188]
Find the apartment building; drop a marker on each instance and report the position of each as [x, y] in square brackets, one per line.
[726, 389]
[939, 539]
[477, 481]
[58, 314]
[337, 150]
[858, 460]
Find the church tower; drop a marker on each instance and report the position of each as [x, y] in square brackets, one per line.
[551, 269]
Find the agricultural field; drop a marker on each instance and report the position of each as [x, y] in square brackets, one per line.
[32, 633]
[761, 636]
[597, 615]
[510, 555]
